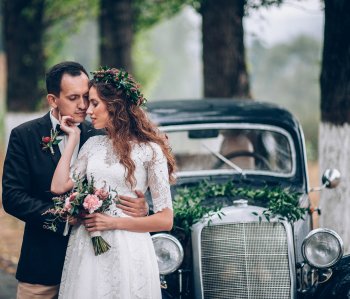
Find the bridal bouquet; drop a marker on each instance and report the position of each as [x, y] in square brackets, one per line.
[82, 200]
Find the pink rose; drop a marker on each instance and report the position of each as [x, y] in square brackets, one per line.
[102, 194]
[92, 203]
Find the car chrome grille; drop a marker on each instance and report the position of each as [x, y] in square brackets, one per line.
[245, 260]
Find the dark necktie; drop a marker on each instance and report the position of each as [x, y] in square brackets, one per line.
[60, 132]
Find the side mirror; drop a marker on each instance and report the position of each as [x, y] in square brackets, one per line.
[330, 179]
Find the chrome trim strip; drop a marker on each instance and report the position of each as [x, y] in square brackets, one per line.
[305, 158]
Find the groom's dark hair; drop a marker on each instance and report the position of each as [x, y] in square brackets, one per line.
[55, 74]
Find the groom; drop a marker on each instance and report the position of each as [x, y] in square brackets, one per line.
[28, 169]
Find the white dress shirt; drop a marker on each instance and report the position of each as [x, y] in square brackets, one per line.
[64, 139]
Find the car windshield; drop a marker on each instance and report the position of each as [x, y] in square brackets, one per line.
[227, 148]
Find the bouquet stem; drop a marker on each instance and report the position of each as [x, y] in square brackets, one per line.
[99, 244]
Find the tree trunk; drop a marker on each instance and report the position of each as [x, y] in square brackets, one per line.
[225, 72]
[23, 32]
[335, 116]
[2, 83]
[116, 33]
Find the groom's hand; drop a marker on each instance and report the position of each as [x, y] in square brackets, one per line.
[136, 207]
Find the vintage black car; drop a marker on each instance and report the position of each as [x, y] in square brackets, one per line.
[235, 252]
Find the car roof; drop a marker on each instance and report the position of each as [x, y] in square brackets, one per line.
[173, 112]
[201, 111]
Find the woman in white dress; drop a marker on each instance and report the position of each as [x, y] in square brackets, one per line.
[132, 156]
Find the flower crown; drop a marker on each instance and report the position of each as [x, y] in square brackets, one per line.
[121, 80]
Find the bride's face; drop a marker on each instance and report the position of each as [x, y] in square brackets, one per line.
[97, 110]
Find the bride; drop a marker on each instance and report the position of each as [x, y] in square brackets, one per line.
[133, 155]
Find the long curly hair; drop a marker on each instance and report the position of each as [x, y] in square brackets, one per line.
[129, 122]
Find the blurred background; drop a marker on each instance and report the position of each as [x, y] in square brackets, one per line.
[167, 46]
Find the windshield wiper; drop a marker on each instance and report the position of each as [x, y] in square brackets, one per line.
[225, 160]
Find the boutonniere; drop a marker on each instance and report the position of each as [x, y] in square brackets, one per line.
[48, 142]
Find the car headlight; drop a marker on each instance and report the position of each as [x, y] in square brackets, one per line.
[169, 252]
[322, 248]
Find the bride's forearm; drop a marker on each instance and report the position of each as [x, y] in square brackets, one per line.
[161, 221]
[61, 182]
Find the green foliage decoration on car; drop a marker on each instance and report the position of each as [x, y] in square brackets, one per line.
[189, 208]
[191, 204]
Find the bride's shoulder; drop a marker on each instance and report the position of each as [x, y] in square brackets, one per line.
[151, 149]
[149, 146]
[95, 140]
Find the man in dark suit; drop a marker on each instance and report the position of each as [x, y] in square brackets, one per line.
[28, 169]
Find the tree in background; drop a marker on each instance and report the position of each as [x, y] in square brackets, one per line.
[224, 67]
[119, 22]
[224, 57]
[116, 33]
[27, 28]
[2, 82]
[334, 139]
[23, 33]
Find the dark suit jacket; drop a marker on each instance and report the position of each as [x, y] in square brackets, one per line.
[27, 176]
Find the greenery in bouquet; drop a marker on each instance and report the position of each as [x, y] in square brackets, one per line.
[82, 200]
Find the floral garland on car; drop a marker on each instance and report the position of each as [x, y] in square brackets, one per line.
[189, 207]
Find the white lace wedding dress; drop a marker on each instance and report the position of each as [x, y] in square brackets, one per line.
[129, 269]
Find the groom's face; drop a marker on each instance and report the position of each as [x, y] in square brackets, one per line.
[73, 97]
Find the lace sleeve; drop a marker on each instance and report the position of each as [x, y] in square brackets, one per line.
[78, 169]
[158, 180]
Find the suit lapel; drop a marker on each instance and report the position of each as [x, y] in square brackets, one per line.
[45, 126]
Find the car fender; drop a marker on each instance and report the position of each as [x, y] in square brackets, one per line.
[338, 286]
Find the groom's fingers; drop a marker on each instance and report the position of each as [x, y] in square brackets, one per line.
[128, 202]
[137, 203]
[139, 194]
[126, 208]
[132, 201]
[131, 211]
[133, 207]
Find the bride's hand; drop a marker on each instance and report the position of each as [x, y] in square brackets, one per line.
[68, 126]
[99, 222]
